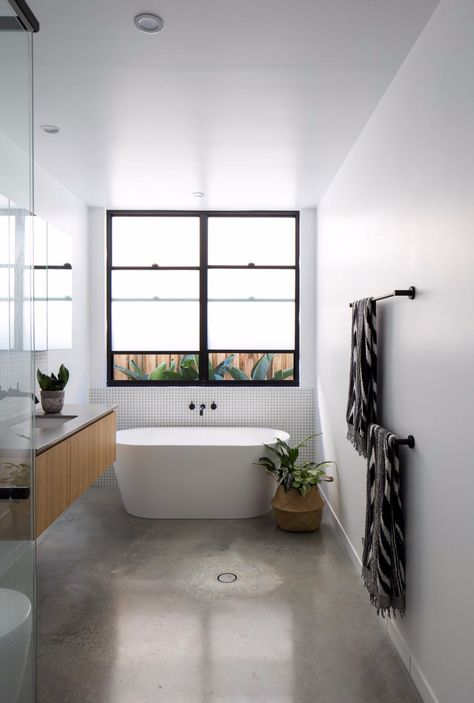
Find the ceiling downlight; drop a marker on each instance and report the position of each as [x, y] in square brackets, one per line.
[148, 22]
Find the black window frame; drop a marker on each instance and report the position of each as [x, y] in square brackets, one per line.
[203, 269]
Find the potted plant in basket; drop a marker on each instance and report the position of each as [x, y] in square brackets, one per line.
[297, 504]
[52, 389]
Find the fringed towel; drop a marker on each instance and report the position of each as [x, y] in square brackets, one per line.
[383, 560]
[362, 398]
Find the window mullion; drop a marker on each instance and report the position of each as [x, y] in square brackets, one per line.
[203, 354]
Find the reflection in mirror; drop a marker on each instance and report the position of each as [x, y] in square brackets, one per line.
[52, 259]
[59, 247]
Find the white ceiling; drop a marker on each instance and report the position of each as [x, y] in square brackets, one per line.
[255, 102]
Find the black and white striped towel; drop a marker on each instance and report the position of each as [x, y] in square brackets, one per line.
[383, 560]
[362, 397]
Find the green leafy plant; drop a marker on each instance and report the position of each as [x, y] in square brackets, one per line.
[217, 373]
[259, 371]
[288, 473]
[53, 382]
[188, 369]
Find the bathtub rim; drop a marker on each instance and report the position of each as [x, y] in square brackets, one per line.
[229, 442]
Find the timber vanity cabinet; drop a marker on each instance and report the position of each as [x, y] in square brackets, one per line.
[71, 465]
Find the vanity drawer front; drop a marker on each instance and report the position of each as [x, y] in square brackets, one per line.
[92, 451]
[53, 484]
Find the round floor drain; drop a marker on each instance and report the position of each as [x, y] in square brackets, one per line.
[227, 577]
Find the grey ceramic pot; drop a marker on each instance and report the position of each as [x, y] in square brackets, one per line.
[52, 401]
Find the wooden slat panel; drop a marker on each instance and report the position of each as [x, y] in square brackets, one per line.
[53, 484]
[107, 442]
[82, 445]
[92, 451]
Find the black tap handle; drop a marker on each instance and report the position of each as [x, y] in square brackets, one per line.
[214, 406]
[191, 405]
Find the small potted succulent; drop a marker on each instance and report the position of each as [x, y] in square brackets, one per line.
[52, 389]
[297, 504]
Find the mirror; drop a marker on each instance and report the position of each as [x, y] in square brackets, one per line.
[47, 279]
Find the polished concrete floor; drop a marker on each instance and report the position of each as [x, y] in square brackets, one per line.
[130, 611]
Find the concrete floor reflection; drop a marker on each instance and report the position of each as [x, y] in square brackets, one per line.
[130, 611]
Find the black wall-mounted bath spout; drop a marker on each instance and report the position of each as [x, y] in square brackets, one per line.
[202, 407]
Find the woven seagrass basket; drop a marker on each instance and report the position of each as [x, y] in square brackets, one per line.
[296, 513]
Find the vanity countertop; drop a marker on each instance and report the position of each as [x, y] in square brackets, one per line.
[82, 415]
[15, 439]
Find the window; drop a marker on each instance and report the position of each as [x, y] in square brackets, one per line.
[202, 298]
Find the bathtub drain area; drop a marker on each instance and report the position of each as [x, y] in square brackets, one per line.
[227, 577]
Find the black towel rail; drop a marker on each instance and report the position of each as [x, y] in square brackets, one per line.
[409, 441]
[407, 293]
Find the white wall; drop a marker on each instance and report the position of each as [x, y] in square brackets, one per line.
[307, 297]
[400, 212]
[97, 301]
[97, 263]
[57, 205]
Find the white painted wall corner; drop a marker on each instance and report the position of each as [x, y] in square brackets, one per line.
[416, 674]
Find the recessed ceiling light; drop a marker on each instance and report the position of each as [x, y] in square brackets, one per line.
[198, 194]
[148, 22]
[49, 128]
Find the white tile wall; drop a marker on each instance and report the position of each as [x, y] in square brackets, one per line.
[291, 409]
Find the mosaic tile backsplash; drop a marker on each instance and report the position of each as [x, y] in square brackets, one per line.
[290, 409]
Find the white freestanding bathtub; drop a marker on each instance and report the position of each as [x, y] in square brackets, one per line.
[193, 472]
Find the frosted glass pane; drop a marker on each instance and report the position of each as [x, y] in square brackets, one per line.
[4, 283]
[59, 324]
[166, 241]
[40, 330]
[36, 245]
[155, 326]
[59, 283]
[28, 246]
[155, 284]
[243, 283]
[4, 325]
[251, 325]
[40, 283]
[41, 325]
[7, 238]
[59, 247]
[40, 293]
[40, 247]
[260, 240]
[7, 273]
